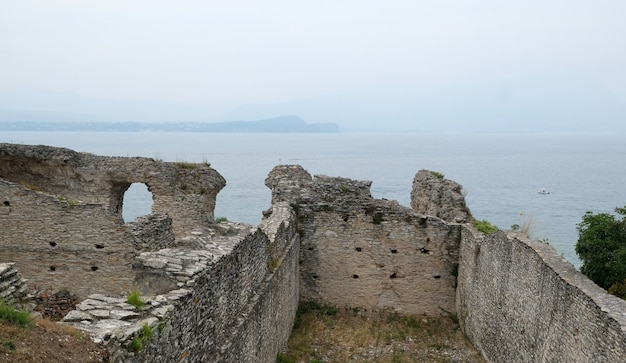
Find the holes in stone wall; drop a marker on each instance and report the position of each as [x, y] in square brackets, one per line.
[345, 217]
[394, 250]
[355, 276]
[137, 202]
[393, 276]
[52, 244]
[52, 268]
[358, 249]
[315, 277]
[99, 246]
[424, 250]
[94, 268]
[437, 277]
[6, 203]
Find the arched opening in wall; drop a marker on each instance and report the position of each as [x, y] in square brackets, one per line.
[137, 202]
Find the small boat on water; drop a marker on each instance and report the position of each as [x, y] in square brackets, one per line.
[543, 191]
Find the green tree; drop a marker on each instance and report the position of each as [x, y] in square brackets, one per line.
[602, 247]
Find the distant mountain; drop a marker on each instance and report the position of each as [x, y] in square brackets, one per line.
[43, 106]
[284, 124]
[276, 124]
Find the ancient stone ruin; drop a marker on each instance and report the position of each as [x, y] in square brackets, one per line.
[228, 292]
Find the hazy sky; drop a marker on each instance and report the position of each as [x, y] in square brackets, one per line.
[355, 62]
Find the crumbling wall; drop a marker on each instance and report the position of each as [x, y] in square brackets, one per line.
[363, 252]
[13, 288]
[234, 300]
[434, 195]
[185, 191]
[59, 245]
[61, 214]
[152, 232]
[519, 301]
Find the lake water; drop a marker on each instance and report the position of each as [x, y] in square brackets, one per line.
[501, 173]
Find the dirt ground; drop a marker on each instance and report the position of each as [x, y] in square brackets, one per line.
[47, 341]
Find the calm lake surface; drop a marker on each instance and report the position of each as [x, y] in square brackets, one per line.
[501, 173]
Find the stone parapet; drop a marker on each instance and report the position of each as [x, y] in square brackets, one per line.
[519, 301]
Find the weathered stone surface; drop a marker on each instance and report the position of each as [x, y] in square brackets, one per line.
[435, 196]
[61, 214]
[236, 309]
[77, 315]
[519, 301]
[364, 252]
[13, 289]
[228, 292]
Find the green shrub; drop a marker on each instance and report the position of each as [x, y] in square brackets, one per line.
[484, 226]
[135, 345]
[135, 300]
[14, 316]
[141, 339]
[602, 248]
[618, 289]
[221, 219]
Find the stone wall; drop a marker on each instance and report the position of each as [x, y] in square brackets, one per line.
[234, 300]
[518, 301]
[56, 245]
[242, 308]
[363, 252]
[152, 232]
[436, 196]
[228, 292]
[185, 191]
[13, 288]
[61, 214]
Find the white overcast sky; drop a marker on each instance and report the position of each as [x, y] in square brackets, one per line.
[220, 55]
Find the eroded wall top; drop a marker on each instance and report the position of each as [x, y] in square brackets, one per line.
[364, 252]
[436, 196]
[186, 191]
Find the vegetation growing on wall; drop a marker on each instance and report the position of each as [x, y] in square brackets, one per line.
[484, 226]
[602, 248]
[141, 339]
[135, 300]
[437, 174]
